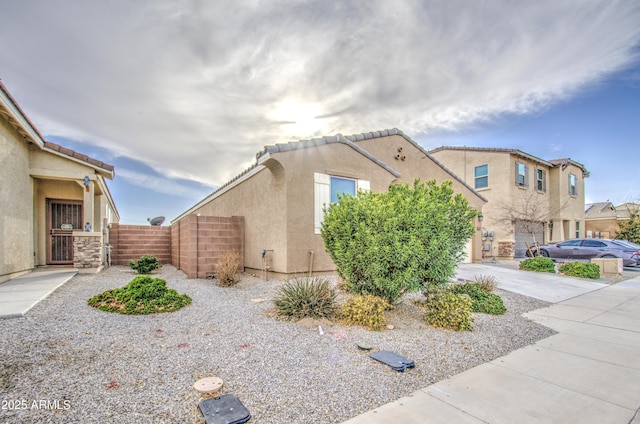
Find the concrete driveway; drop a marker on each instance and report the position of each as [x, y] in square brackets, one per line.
[540, 285]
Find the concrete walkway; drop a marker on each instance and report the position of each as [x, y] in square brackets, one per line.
[588, 373]
[22, 293]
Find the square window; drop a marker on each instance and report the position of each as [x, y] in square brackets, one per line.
[342, 186]
[481, 174]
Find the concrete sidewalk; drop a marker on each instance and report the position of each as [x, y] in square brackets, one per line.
[20, 294]
[588, 373]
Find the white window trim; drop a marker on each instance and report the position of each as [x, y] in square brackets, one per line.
[322, 195]
[475, 178]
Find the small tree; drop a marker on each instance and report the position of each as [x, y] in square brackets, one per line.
[529, 212]
[630, 230]
[387, 244]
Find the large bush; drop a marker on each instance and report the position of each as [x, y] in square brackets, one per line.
[387, 244]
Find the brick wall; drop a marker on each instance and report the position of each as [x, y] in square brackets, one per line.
[129, 242]
[198, 243]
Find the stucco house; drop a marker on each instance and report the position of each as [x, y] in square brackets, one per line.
[602, 219]
[529, 199]
[282, 195]
[55, 205]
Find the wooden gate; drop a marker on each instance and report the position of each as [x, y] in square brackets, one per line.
[63, 217]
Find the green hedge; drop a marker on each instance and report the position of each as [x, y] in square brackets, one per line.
[581, 269]
[538, 264]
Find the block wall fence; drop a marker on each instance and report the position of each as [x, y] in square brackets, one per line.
[129, 242]
[194, 244]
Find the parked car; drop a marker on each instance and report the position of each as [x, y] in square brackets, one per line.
[587, 248]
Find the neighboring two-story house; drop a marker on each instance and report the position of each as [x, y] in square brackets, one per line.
[529, 199]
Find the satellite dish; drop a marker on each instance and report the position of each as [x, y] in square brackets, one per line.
[157, 221]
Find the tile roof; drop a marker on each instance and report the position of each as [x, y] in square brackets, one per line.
[11, 110]
[315, 142]
[395, 131]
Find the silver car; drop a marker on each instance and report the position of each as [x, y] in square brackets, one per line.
[587, 248]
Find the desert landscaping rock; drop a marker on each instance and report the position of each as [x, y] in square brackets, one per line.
[95, 366]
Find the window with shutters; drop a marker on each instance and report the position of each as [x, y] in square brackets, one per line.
[522, 174]
[573, 185]
[327, 188]
[541, 180]
[481, 174]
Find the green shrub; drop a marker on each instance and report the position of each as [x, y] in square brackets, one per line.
[539, 264]
[446, 309]
[143, 295]
[365, 310]
[306, 297]
[483, 301]
[387, 244]
[581, 269]
[145, 264]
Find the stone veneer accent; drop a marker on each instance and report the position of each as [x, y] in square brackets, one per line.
[87, 251]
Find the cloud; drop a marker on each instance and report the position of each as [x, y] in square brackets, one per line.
[159, 184]
[195, 89]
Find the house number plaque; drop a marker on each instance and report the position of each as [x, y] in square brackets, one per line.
[66, 227]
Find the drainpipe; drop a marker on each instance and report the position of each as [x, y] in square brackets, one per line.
[310, 263]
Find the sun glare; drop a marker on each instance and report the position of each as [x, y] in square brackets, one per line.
[299, 119]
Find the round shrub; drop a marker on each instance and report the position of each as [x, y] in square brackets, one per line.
[306, 297]
[142, 296]
[581, 270]
[391, 243]
[538, 264]
[145, 264]
[483, 301]
[446, 309]
[365, 310]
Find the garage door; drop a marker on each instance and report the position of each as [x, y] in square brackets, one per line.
[524, 235]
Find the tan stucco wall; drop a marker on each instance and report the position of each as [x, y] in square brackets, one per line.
[337, 160]
[571, 207]
[261, 200]
[606, 227]
[16, 202]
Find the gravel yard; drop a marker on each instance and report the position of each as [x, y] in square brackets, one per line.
[83, 365]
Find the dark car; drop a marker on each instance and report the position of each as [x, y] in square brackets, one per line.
[587, 248]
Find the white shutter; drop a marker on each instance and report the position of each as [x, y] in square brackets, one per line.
[364, 185]
[322, 196]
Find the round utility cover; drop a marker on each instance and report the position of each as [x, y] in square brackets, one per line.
[208, 385]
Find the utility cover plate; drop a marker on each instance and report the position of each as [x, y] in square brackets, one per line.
[395, 361]
[225, 409]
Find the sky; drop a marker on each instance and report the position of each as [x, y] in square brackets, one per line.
[180, 95]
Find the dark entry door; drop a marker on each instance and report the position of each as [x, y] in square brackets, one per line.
[63, 217]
